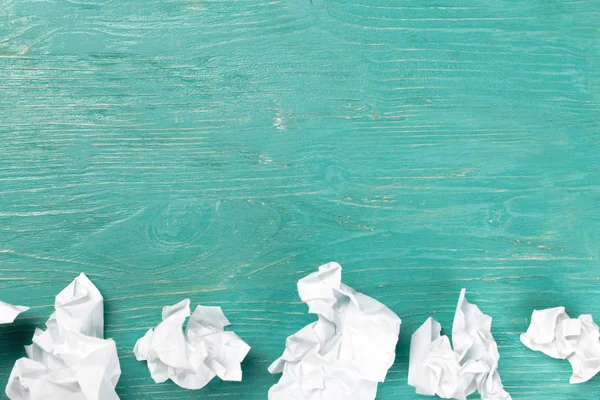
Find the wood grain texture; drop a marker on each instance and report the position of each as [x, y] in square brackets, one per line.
[221, 150]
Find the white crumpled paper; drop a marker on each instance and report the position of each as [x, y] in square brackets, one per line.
[576, 339]
[346, 352]
[8, 312]
[436, 369]
[192, 359]
[70, 360]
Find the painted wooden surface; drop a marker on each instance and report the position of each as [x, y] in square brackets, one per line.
[221, 150]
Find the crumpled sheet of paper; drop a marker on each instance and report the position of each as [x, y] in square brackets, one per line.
[552, 332]
[436, 369]
[8, 312]
[346, 352]
[193, 359]
[70, 360]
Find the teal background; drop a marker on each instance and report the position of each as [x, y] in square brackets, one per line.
[221, 150]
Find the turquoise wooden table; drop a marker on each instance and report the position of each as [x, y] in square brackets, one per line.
[221, 150]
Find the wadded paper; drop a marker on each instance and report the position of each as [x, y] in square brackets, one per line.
[436, 369]
[576, 339]
[346, 352]
[70, 360]
[192, 359]
[8, 312]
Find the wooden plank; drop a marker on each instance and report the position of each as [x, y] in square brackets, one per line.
[221, 150]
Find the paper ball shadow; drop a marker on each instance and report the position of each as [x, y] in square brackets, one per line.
[14, 336]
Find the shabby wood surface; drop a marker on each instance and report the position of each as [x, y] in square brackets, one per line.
[221, 150]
